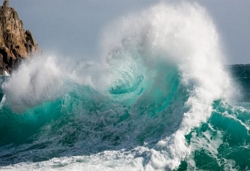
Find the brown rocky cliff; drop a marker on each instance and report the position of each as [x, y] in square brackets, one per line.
[15, 43]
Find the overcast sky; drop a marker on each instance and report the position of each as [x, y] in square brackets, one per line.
[73, 28]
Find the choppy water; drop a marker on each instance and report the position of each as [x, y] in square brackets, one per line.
[159, 97]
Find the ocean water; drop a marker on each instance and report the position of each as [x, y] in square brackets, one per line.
[159, 97]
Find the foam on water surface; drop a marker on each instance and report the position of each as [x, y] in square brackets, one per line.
[140, 107]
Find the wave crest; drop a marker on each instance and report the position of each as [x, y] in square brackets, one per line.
[158, 74]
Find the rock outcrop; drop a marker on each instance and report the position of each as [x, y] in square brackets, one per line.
[15, 43]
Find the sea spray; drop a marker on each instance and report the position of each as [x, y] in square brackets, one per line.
[158, 77]
[173, 34]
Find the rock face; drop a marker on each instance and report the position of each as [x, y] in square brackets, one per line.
[15, 43]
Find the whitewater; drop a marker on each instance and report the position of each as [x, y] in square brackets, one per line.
[158, 97]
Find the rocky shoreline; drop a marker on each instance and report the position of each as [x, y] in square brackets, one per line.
[16, 44]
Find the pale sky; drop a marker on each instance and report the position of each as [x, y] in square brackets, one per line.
[73, 28]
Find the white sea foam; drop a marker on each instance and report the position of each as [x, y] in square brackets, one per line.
[186, 36]
[183, 35]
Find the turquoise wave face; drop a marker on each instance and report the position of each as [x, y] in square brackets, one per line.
[136, 111]
[139, 108]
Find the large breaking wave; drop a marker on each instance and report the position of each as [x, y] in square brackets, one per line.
[158, 77]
